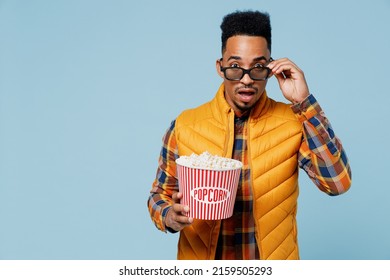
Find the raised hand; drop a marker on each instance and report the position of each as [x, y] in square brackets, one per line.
[291, 79]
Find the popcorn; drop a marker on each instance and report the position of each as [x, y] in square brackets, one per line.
[209, 161]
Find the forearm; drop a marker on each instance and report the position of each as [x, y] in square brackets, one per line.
[165, 184]
[159, 203]
[322, 155]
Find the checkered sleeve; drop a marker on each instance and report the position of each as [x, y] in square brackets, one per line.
[165, 183]
[322, 155]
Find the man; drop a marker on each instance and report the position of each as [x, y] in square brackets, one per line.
[271, 139]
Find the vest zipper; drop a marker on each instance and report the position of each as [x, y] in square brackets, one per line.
[252, 188]
[229, 139]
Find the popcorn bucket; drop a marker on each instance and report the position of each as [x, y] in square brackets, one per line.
[210, 194]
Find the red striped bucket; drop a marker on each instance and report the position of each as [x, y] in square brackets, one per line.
[210, 194]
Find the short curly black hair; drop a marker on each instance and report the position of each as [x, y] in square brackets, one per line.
[252, 23]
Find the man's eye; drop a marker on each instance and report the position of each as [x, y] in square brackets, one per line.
[258, 65]
[234, 65]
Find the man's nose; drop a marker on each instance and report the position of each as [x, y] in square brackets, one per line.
[246, 79]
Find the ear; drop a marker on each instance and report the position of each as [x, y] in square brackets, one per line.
[218, 65]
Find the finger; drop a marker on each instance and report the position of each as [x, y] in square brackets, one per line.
[177, 196]
[180, 208]
[177, 221]
[183, 220]
[284, 64]
[179, 212]
[282, 67]
[287, 67]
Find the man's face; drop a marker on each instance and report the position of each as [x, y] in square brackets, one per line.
[245, 52]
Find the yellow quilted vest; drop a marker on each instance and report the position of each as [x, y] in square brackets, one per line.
[274, 138]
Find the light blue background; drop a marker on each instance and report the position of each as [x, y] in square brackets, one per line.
[87, 89]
